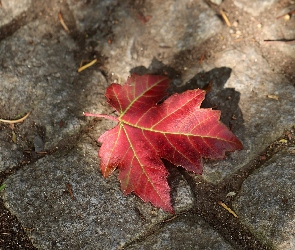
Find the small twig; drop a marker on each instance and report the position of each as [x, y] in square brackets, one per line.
[63, 22]
[170, 219]
[70, 190]
[280, 41]
[227, 208]
[225, 18]
[288, 13]
[87, 65]
[15, 121]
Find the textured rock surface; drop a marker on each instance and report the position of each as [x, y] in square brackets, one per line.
[11, 9]
[9, 156]
[252, 77]
[69, 205]
[253, 7]
[136, 41]
[266, 201]
[38, 74]
[184, 233]
[49, 162]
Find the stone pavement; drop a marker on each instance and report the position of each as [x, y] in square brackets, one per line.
[49, 165]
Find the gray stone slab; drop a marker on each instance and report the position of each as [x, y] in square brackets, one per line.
[95, 215]
[38, 73]
[264, 118]
[9, 155]
[97, 13]
[280, 30]
[266, 201]
[254, 7]
[184, 233]
[11, 9]
[172, 27]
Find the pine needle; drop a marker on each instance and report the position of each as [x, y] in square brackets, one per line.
[15, 121]
[225, 18]
[227, 208]
[63, 22]
[87, 65]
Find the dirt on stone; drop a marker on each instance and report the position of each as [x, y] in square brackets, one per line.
[244, 30]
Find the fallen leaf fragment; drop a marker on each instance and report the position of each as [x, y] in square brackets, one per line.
[283, 141]
[13, 136]
[227, 208]
[177, 130]
[2, 187]
[15, 121]
[144, 19]
[275, 97]
[231, 194]
[87, 65]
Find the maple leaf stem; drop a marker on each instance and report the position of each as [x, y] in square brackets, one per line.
[102, 116]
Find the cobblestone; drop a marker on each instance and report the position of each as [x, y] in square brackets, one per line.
[54, 189]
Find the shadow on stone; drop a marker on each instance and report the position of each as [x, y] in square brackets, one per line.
[224, 99]
[158, 68]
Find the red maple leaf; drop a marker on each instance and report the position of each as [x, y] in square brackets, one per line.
[177, 130]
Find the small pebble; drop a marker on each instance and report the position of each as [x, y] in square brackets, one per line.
[287, 17]
[38, 143]
[218, 2]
